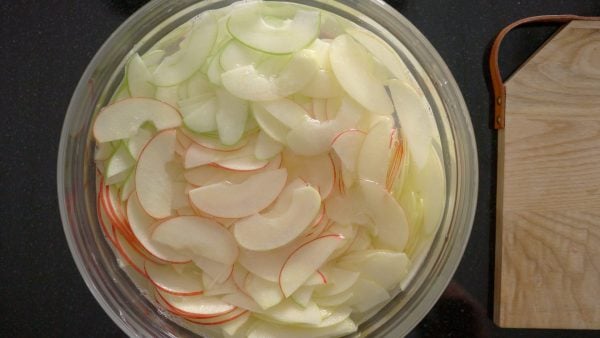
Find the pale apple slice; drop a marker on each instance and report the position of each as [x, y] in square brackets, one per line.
[334, 316]
[219, 272]
[319, 109]
[167, 95]
[265, 329]
[199, 306]
[347, 146]
[206, 175]
[266, 147]
[361, 242]
[247, 163]
[271, 231]
[346, 209]
[316, 279]
[318, 171]
[324, 85]
[186, 282]
[119, 165]
[139, 78]
[128, 253]
[211, 142]
[339, 280]
[266, 264]
[142, 225]
[184, 63]
[152, 179]
[375, 153]
[286, 111]
[198, 236]
[303, 295]
[231, 117]
[249, 25]
[220, 320]
[366, 295]
[229, 200]
[122, 119]
[302, 263]
[386, 268]
[352, 64]
[387, 215]
[414, 115]
[265, 293]
[234, 325]
[270, 125]
[213, 288]
[242, 300]
[137, 142]
[289, 312]
[201, 118]
[336, 300]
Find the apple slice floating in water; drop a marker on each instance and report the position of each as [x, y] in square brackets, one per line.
[188, 282]
[275, 229]
[240, 200]
[122, 119]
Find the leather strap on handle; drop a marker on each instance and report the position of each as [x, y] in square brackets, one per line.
[497, 83]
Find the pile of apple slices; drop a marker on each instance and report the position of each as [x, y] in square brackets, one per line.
[250, 170]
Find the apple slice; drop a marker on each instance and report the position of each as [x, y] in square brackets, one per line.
[247, 163]
[141, 225]
[347, 146]
[270, 231]
[265, 293]
[139, 78]
[266, 147]
[122, 119]
[202, 118]
[333, 317]
[386, 214]
[137, 142]
[303, 295]
[286, 111]
[266, 264]
[231, 117]
[213, 288]
[366, 295]
[302, 263]
[234, 325]
[318, 171]
[197, 236]
[289, 312]
[210, 142]
[181, 282]
[229, 200]
[206, 175]
[414, 115]
[375, 153]
[184, 63]
[152, 179]
[265, 329]
[221, 320]
[242, 300]
[219, 272]
[334, 300]
[351, 64]
[119, 165]
[248, 24]
[339, 280]
[200, 306]
[128, 253]
[386, 268]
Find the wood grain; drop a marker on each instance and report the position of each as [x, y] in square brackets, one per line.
[548, 226]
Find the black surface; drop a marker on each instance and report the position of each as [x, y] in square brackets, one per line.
[46, 45]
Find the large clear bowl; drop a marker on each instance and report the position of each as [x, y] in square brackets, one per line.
[112, 288]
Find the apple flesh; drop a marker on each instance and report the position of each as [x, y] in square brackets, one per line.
[123, 118]
[182, 282]
[199, 237]
[152, 179]
[271, 231]
[229, 200]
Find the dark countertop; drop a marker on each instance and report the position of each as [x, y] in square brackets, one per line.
[46, 46]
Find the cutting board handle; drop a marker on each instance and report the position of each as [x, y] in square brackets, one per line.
[496, 77]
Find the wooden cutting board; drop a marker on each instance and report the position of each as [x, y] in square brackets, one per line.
[548, 202]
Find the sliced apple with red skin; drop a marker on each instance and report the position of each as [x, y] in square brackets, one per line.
[200, 306]
[207, 175]
[210, 142]
[339, 280]
[247, 163]
[271, 231]
[318, 171]
[122, 119]
[386, 213]
[152, 178]
[302, 263]
[212, 288]
[142, 226]
[187, 282]
[316, 279]
[222, 320]
[131, 256]
[234, 325]
[375, 153]
[198, 237]
[229, 200]
[265, 293]
[103, 219]
[266, 264]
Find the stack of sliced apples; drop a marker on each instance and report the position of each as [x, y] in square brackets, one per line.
[250, 170]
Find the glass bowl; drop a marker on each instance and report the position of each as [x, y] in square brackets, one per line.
[111, 286]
